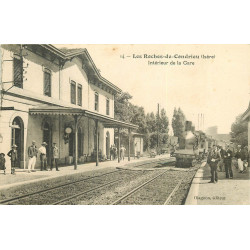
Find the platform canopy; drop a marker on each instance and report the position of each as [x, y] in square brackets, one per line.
[107, 121]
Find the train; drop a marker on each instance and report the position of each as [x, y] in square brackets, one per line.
[192, 147]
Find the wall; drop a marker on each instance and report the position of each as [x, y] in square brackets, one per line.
[72, 70]
[34, 73]
[102, 100]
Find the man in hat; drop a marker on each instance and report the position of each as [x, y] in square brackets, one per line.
[228, 154]
[213, 159]
[32, 154]
[13, 158]
[55, 156]
[43, 156]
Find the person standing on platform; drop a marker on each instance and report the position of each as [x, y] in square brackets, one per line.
[32, 154]
[43, 156]
[111, 153]
[2, 163]
[55, 156]
[228, 154]
[221, 162]
[122, 151]
[240, 158]
[13, 158]
[245, 161]
[114, 151]
[213, 159]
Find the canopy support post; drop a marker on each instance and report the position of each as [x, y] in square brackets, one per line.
[119, 144]
[97, 146]
[76, 142]
[129, 135]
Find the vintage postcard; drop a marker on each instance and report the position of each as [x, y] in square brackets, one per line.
[124, 124]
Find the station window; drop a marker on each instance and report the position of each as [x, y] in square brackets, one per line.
[47, 82]
[79, 94]
[73, 92]
[18, 72]
[107, 106]
[96, 101]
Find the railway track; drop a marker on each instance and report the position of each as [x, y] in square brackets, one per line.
[17, 199]
[55, 187]
[169, 197]
[91, 190]
[168, 200]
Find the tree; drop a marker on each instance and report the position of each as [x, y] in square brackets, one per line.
[149, 125]
[157, 128]
[163, 127]
[239, 132]
[178, 123]
[122, 107]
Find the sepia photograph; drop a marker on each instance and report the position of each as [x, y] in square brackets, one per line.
[133, 116]
[124, 124]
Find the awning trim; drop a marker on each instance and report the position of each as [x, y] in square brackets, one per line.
[108, 122]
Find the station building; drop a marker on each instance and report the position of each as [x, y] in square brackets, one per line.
[56, 95]
[246, 117]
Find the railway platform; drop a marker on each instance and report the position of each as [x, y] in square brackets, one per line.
[225, 192]
[22, 176]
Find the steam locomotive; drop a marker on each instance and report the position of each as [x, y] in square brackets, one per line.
[192, 147]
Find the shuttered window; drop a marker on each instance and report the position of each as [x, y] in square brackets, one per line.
[18, 72]
[96, 101]
[73, 92]
[47, 83]
[107, 106]
[79, 95]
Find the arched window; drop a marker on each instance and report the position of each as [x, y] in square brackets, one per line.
[17, 137]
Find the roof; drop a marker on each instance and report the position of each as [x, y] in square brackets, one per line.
[107, 121]
[66, 54]
[68, 51]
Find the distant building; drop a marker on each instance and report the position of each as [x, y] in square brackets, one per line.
[219, 139]
[246, 117]
[212, 130]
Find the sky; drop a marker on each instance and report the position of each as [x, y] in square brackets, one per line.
[217, 87]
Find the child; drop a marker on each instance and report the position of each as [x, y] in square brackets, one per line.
[13, 157]
[2, 162]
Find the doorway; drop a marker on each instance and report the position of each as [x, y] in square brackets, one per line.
[17, 137]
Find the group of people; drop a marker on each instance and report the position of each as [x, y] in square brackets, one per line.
[222, 158]
[33, 152]
[114, 152]
[13, 159]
